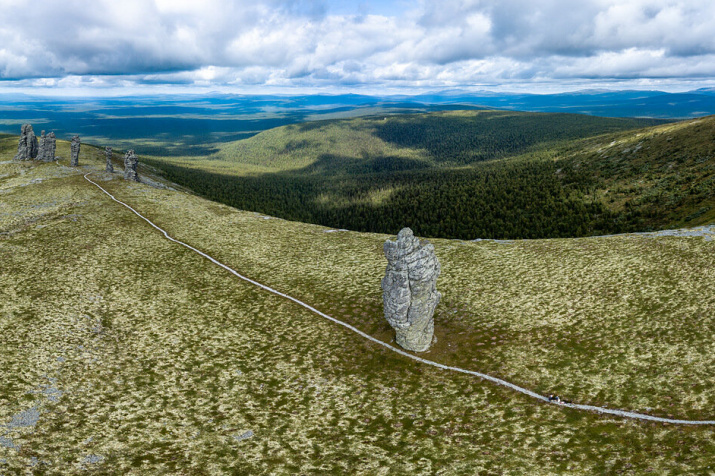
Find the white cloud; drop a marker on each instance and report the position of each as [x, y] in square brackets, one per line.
[302, 42]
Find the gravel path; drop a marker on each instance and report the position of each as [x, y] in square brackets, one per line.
[707, 232]
[498, 381]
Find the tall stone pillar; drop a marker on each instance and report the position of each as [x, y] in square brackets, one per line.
[130, 166]
[74, 151]
[409, 290]
[108, 155]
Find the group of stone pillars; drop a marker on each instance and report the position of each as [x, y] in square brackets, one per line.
[29, 149]
[409, 287]
[130, 164]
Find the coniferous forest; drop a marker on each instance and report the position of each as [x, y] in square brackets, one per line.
[521, 200]
[489, 174]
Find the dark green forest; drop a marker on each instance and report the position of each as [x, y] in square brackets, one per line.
[499, 175]
[497, 200]
[454, 139]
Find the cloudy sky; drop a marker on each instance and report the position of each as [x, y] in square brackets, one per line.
[342, 45]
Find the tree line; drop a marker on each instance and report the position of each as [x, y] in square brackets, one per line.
[501, 200]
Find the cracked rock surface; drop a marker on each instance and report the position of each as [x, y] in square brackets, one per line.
[108, 156]
[48, 147]
[74, 151]
[130, 166]
[409, 290]
[27, 148]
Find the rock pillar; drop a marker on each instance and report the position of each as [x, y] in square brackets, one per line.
[50, 147]
[41, 149]
[409, 290]
[47, 148]
[108, 155]
[74, 151]
[27, 147]
[130, 166]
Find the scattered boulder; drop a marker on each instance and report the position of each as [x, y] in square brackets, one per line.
[27, 147]
[108, 155]
[48, 147]
[74, 151]
[409, 290]
[130, 166]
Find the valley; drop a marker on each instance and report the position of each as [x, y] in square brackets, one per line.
[468, 175]
[130, 354]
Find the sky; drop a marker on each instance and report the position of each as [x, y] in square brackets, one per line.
[388, 46]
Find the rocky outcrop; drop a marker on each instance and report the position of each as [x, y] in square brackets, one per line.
[27, 147]
[130, 166]
[74, 151]
[48, 147]
[51, 146]
[108, 155]
[409, 290]
[41, 149]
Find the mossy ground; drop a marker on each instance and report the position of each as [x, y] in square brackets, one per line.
[163, 360]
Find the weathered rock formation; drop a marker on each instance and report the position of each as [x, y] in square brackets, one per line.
[27, 147]
[130, 166]
[74, 151]
[51, 146]
[48, 147]
[41, 150]
[108, 155]
[409, 290]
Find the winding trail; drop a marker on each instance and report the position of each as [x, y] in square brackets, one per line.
[498, 381]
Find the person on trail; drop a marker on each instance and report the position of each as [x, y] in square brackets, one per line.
[554, 398]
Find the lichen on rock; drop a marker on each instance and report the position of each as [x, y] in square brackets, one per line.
[41, 149]
[130, 166]
[74, 151]
[108, 156]
[27, 147]
[48, 147]
[409, 290]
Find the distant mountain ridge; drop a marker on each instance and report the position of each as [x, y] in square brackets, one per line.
[628, 103]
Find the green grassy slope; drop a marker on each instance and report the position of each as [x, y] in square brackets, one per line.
[163, 359]
[658, 177]
[8, 145]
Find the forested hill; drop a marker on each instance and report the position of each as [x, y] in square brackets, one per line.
[452, 138]
[459, 138]
[474, 174]
[660, 177]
